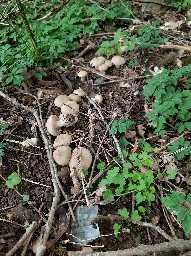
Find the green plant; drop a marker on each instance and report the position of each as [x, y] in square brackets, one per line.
[116, 228]
[13, 180]
[3, 127]
[180, 148]
[121, 126]
[170, 91]
[180, 205]
[53, 36]
[130, 179]
[181, 4]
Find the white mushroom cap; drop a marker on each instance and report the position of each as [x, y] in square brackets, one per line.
[52, 126]
[60, 100]
[97, 98]
[82, 74]
[80, 156]
[103, 67]
[118, 61]
[96, 62]
[62, 140]
[108, 63]
[79, 92]
[74, 97]
[71, 107]
[62, 155]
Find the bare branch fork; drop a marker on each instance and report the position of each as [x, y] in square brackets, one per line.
[41, 249]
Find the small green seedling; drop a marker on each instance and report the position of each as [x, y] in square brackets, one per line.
[121, 125]
[25, 198]
[13, 180]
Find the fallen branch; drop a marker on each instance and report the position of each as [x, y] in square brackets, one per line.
[174, 245]
[177, 47]
[29, 230]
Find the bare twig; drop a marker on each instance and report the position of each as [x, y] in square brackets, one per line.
[89, 47]
[177, 47]
[29, 230]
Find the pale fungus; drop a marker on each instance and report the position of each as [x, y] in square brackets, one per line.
[62, 155]
[82, 74]
[71, 107]
[96, 62]
[79, 92]
[81, 159]
[118, 61]
[97, 98]
[52, 125]
[103, 67]
[62, 140]
[68, 119]
[30, 142]
[60, 100]
[74, 97]
[108, 63]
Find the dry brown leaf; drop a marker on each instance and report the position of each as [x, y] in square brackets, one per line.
[130, 135]
[141, 131]
[155, 220]
[135, 146]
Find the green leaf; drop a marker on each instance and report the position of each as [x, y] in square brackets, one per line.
[142, 209]
[135, 216]
[13, 180]
[108, 195]
[26, 198]
[116, 228]
[123, 212]
[139, 197]
[171, 174]
[101, 166]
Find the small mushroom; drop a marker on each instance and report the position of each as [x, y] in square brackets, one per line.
[118, 61]
[82, 74]
[97, 98]
[30, 142]
[103, 67]
[52, 125]
[62, 155]
[71, 107]
[79, 92]
[74, 97]
[62, 140]
[96, 62]
[81, 159]
[108, 63]
[60, 100]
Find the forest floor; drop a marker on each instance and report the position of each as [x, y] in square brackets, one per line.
[119, 101]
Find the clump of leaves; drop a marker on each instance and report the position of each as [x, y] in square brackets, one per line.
[13, 180]
[180, 148]
[54, 36]
[180, 205]
[121, 126]
[130, 179]
[171, 95]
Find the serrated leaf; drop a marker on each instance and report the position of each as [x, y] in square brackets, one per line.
[123, 212]
[135, 216]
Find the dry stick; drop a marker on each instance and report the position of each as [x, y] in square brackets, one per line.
[176, 47]
[29, 230]
[87, 49]
[97, 72]
[121, 80]
[107, 126]
[157, 228]
[178, 245]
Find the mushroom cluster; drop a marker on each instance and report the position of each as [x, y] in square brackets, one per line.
[102, 64]
[79, 159]
[69, 112]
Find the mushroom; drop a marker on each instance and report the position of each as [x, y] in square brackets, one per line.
[79, 92]
[118, 61]
[60, 100]
[81, 159]
[52, 125]
[108, 63]
[74, 97]
[29, 142]
[103, 67]
[71, 107]
[82, 74]
[62, 155]
[97, 98]
[96, 62]
[62, 140]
